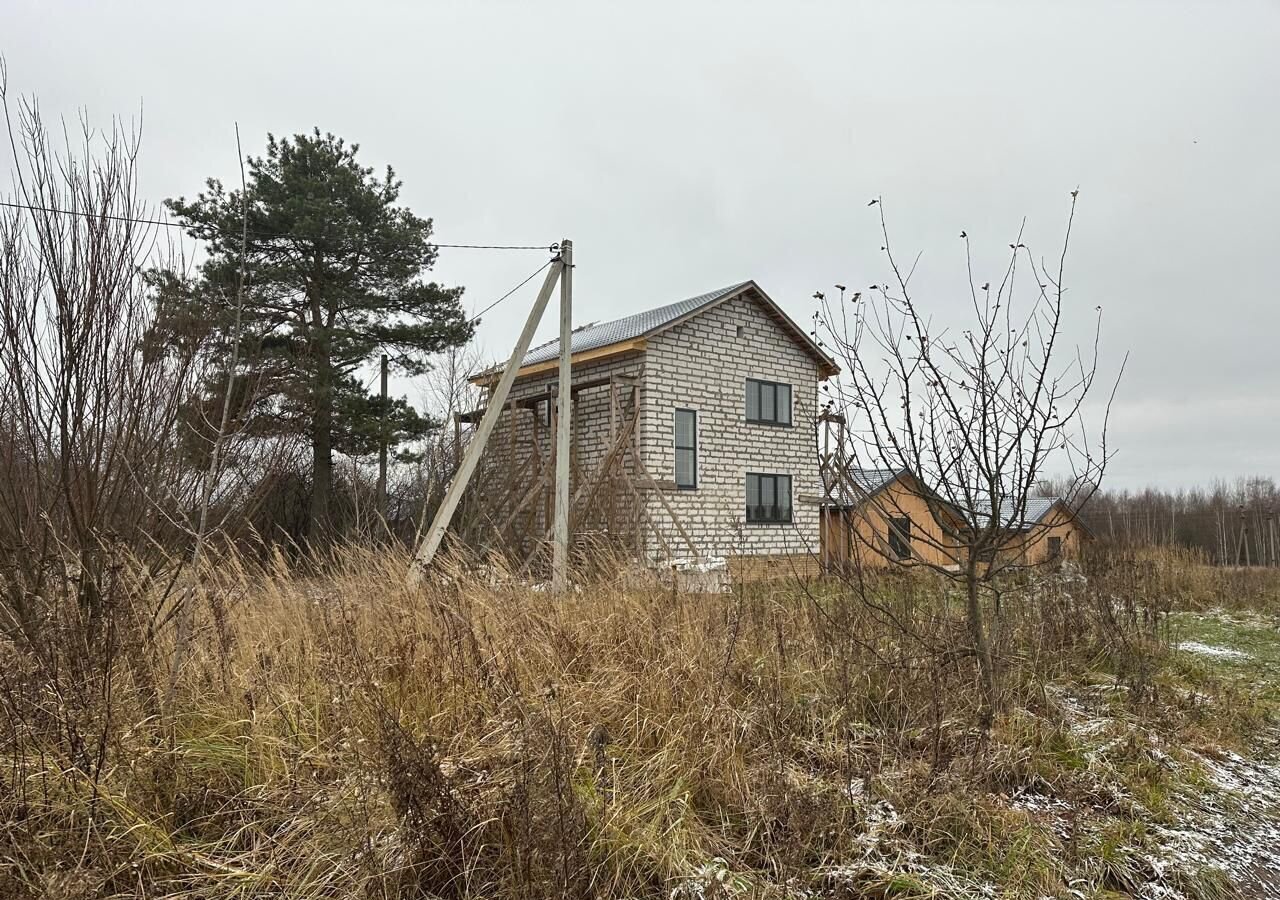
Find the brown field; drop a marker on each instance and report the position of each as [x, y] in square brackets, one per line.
[336, 736]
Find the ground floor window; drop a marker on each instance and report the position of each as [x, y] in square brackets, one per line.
[686, 449]
[1055, 547]
[900, 537]
[768, 497]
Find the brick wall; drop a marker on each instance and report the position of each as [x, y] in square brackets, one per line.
[703, 364]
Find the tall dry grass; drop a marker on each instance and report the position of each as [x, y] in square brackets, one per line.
[337, 736]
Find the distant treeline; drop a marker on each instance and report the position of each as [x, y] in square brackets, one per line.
[1232, 523]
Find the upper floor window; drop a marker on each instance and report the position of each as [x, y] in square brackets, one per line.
[686, 449]
[768, 498]
[768, 402]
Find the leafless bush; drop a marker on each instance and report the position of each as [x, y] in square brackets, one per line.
[90, 469]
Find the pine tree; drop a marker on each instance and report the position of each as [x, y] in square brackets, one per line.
[333, 278]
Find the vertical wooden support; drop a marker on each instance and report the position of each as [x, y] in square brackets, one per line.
[435, 534]
[1271, 536]
[560, 550]
[1242, 545]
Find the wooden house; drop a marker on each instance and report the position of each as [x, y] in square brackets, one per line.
[875, 518]
[1049, 531]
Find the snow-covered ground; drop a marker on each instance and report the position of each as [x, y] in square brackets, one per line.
[1234, 826]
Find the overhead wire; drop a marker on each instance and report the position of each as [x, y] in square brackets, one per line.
[139, 220]
[533, 275]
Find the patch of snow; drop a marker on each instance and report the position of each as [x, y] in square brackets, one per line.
[1210, 650]
[706, 564]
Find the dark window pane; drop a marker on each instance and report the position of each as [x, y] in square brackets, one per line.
[768, 409]
[768, 498]
[900, 537]
[753, 400]
[685, 428]
[685, 475]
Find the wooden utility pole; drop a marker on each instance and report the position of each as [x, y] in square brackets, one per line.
[1271, 537]
[435, 534]
[380, 492]
[1242, 546]
[564, 422]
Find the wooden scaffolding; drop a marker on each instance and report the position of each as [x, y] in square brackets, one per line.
[509, 507]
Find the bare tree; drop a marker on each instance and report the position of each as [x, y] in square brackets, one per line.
[90, 466]
[978, 417]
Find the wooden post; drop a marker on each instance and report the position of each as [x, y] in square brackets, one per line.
[380, 492]
[435, 534]
[1271, 537]
[564, 409]
[1242, 545]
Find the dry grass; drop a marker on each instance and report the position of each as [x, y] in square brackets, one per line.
[336, 736]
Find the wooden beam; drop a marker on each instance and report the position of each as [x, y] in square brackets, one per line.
[585, 356]
[476, 415]
[435, 535]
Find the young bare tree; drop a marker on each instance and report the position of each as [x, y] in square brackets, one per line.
[89, 465]
[977, 417]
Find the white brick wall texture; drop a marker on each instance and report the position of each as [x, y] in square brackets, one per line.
[703, 364]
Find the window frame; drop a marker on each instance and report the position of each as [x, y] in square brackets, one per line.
[675, 443]
[1054, 546]
[775, 477]
[899, 537]
[759, 384]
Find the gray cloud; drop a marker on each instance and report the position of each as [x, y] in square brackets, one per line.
[686, 146]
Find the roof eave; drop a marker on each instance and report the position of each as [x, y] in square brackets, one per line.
[635, 345]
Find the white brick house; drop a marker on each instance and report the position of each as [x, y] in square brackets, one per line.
[693, 433]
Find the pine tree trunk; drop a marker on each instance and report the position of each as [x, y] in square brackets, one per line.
[322, 466]
[319, 522]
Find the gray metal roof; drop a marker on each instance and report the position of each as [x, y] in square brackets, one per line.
[865, 483]
[1034, 512]
[602, 334]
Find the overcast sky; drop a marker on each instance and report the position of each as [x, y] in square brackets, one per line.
[689, 146]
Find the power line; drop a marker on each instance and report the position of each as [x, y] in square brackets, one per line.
[477, 316]
[137, 220]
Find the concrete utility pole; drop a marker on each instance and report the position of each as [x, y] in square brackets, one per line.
[435, 534]
[564, 423]
[380, 492]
